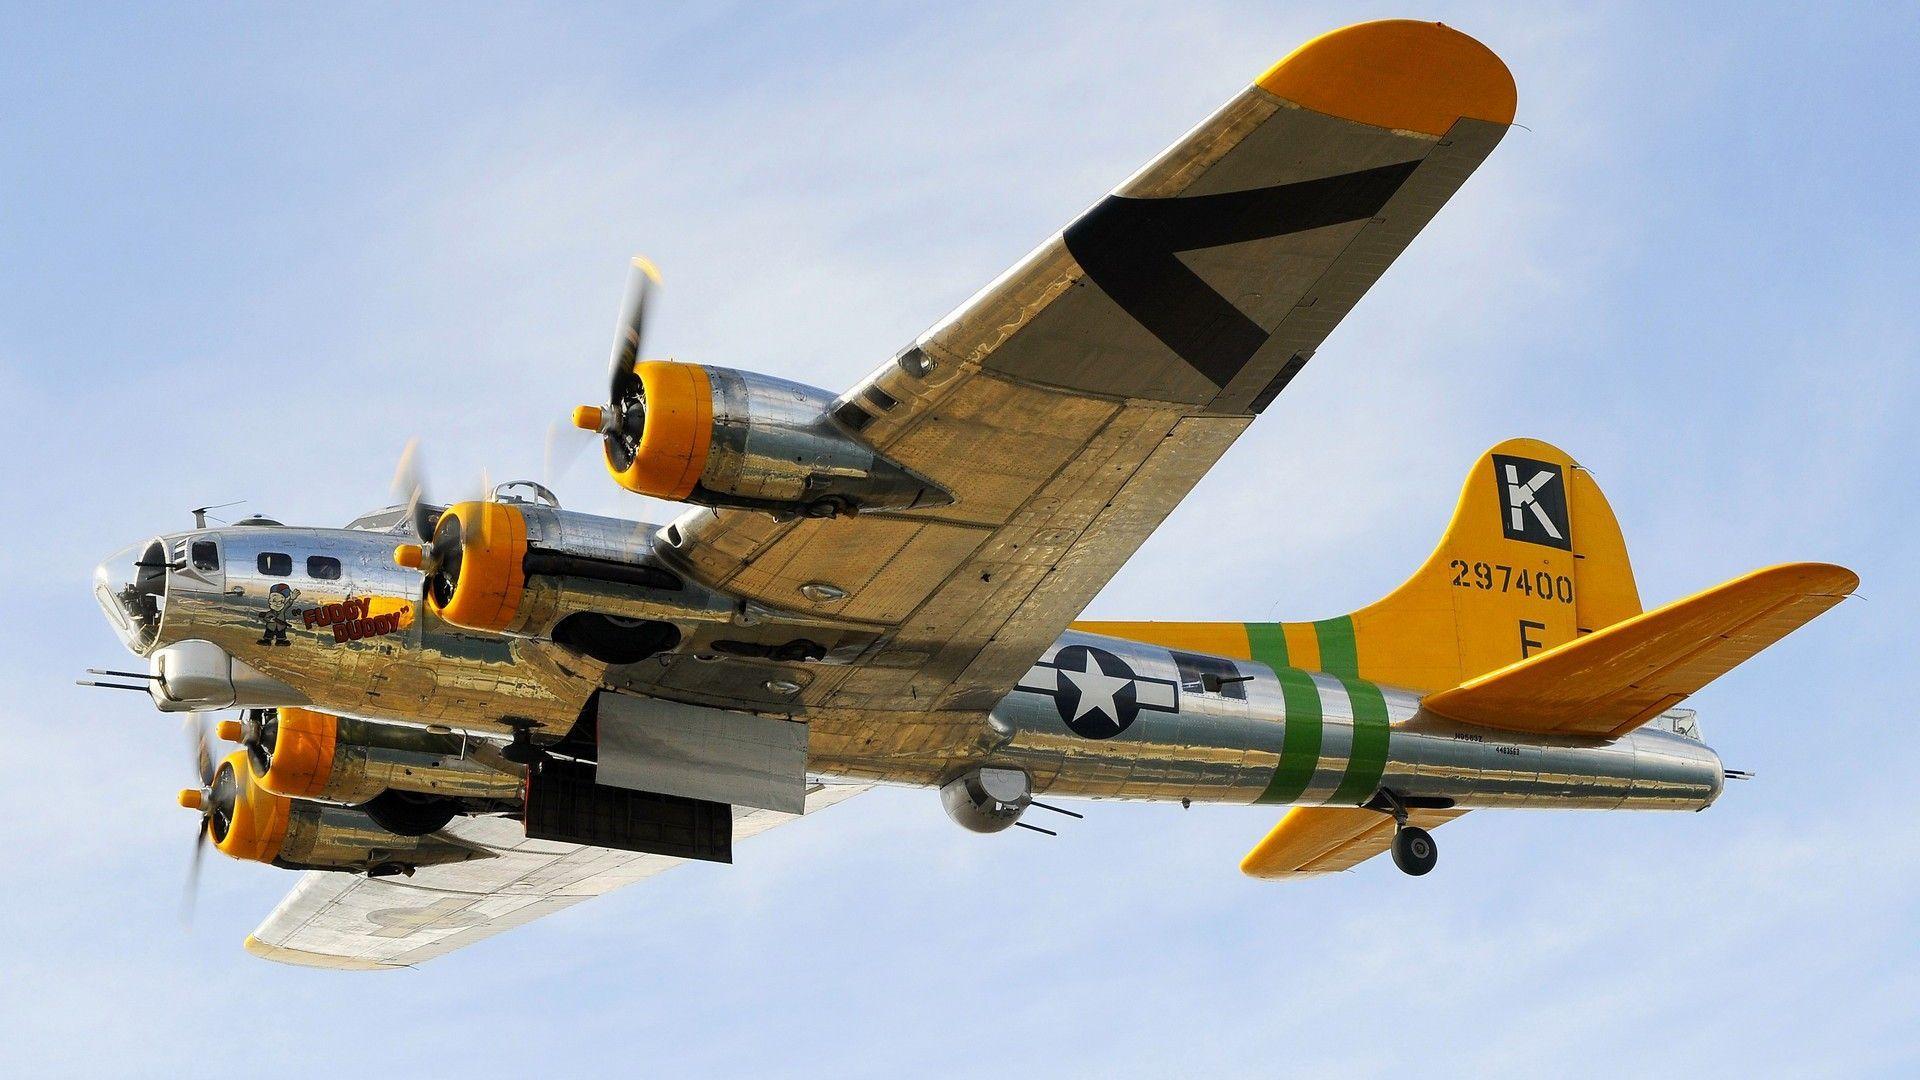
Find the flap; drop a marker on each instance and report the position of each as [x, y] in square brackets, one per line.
[695, 752]
[1616, 679]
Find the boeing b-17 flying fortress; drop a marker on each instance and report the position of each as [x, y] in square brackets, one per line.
[453, 719]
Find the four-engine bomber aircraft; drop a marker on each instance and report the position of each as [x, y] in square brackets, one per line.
[459, 719]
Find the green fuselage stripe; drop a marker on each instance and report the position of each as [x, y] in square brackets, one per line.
[1337, 653]
[1370, 736]
[1266, 644]
[1300, 743]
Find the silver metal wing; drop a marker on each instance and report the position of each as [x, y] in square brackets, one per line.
[351, 922]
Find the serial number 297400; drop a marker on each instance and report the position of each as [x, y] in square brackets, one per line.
[1504, 578]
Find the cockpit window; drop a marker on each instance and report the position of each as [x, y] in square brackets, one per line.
[323, 567]
[206, 555]
[275, 563]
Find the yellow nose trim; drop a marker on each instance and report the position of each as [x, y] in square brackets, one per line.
[190, 798]
[407, 555]
[227, 730]
[588, 417]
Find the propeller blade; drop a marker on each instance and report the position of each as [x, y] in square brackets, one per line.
[196, 726]
[410, 487]
[202, 754]
[563, 451]
[189, 901]
[631, 330]
[257, 728]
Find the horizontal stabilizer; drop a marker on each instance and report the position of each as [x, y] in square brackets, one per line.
[1327, 839]
[1612, 681]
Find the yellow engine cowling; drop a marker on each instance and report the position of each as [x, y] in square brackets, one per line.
[719, 437]
[315, 755]
[482, 590]
[514, 569]
[677, 438]
[251, 823]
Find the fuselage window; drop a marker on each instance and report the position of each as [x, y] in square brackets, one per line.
[206, 555]
[323, 567]
[275, 563]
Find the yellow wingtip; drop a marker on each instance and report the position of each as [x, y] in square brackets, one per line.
[1830, 578]
[1260, 861]
[303, 958]
[1397, 74]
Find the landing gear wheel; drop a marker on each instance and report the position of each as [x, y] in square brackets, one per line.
[1413, 850]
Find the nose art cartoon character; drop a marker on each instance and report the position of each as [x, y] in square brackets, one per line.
[280, 600]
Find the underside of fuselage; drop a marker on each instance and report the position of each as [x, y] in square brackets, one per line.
[1097, 716]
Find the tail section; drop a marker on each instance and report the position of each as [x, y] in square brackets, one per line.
[1532, 559]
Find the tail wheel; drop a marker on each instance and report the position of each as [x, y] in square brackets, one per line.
[1413, 850]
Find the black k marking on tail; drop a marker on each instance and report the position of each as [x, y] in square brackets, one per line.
[1533, 501]
[1129, 247]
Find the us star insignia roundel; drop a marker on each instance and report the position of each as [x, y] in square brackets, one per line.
[1097, 693]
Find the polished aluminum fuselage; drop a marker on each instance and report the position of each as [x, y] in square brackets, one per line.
[1219, 743]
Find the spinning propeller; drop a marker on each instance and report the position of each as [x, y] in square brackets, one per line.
[214, 798]
[624, 417]
[443, 538]
[219, 792]
[437, 556]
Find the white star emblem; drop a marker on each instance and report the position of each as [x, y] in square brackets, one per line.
[1097, 688]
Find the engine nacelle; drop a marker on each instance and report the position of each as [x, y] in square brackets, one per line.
[719, 437]
[518, 569]
[987, 800]
[247, 821]
[595, 585]
[301, 754]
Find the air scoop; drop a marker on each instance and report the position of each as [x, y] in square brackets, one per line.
[196, 676]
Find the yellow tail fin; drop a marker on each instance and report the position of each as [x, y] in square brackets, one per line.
[1532, 559]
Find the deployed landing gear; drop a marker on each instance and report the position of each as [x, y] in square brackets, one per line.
[1413, 850]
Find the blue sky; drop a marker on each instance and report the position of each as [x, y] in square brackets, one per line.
[248, 251]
